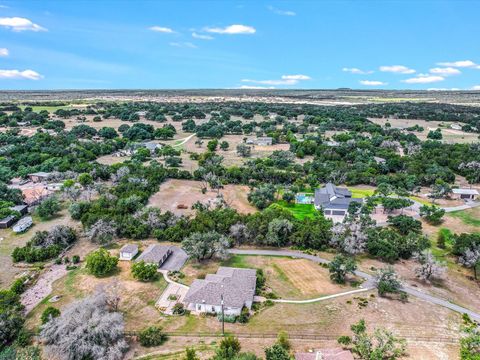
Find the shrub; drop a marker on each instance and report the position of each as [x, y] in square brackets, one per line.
[48, 208]
[178, 309]
[144, 272]
[244, 315]
[152, 336]
[75, 259]
[101, 263]
[49, 313]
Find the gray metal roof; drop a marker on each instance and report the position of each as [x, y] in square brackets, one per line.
[129, 248]
[333, 197]
[40, 173]
[236, 285]
[154, 253]
[465, 191]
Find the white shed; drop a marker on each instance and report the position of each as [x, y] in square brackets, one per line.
[128, 252]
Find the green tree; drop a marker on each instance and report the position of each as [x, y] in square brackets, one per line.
[283, 341]
[387, 281]
[229, 348]
[276, 352]
[262, 196]
[48, 208]
[212, 145]
[190, 354]
[101, 263]
[85, 179]
[381, 345]
[340, 267]
[49, 313]
[224, 145]
[152, 336]
[433, 214]
[144, 272]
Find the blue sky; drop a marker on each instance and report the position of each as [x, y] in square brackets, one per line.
[232, 44]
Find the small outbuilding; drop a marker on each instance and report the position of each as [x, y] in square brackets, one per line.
[23, 224]
[6, 222]
[128, 252]
[39, 176]
[465, 194]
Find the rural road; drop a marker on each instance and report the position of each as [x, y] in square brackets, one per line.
[369, 278]
[184, 140]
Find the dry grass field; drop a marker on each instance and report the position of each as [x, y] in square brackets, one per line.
[175, 192]
[449, 135]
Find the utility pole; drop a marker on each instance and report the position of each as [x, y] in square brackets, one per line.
[223, 317]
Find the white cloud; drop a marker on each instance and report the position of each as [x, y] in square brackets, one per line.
[284, 80]
[424, 79]
[372, 83]
[445, 71]
[281, 12]
[183, 45]
[476, 87]
[356, 71]
[255, 87]
[398, 69]
[20, 24]
[201, 36]
[232, 30]
[17, 74]
[4, 52]
[161, 29]
[460, 64]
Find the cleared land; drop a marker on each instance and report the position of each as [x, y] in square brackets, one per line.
[175, 192]
[449, 135]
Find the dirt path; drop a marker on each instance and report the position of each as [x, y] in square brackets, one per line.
[42, 288]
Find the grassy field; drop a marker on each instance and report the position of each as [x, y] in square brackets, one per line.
[468, 217]
[361, 193]
[300, 211]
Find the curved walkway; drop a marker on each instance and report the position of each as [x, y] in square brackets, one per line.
[369, 283]
[184, 140]
[327, 297]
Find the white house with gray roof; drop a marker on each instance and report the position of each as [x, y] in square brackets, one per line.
[236, 286]
[465, 194]
[128, 252]
[334, 201]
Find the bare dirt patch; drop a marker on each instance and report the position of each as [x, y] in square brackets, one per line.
[175, 192]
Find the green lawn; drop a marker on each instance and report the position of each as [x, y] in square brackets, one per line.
[361, 193]
[48, 108]
[420, 200]
[300, 211]
[468, 217]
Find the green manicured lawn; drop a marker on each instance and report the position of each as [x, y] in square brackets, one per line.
[238, 261]
[361, 193]
[469, 217]
[420, 200]
[300, 211]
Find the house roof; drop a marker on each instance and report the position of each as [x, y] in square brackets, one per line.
[154, 253]
[129, 248]
[236, 285]
[379, 159]
[465, 191]
[7, 219]
[326, 354]
[18, 208]
[40, 174]
[333, 197]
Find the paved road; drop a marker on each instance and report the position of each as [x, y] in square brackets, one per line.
[369, 278]
[468, 205]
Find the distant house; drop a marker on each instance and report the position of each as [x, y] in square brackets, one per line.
[35, 194]
[465, 194]
[128, 252]
[22, 209]
[261, 141]
[379, 160]
[235, 286]
[155, 254]
[39, 176]
[6, 222]
[152, 146]
[455, 127]
[332, 143]
[334, 201]
[325, 354]
[23, 224]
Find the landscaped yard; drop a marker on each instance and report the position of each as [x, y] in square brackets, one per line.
[300, 211]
